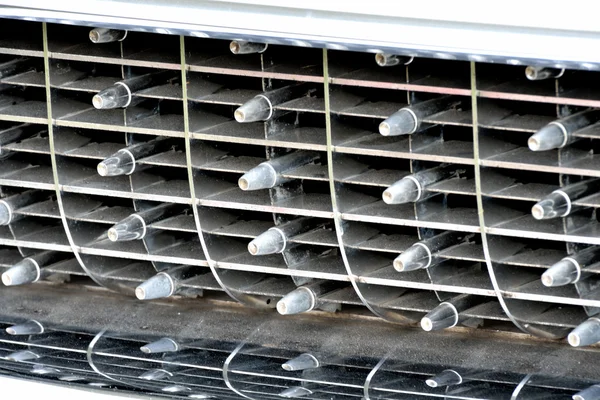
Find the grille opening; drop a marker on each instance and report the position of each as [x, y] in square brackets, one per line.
[379, 237]
[173, 157]
[580, 86]
[453, 133]
[97, 209]
[28, 42]
[459, 102]
[76, 76]
[27, 71]
[533, 253]
[526, 303]
[33, 140]
[117, 272]
[128, 273]
[361, 125]
[502, 145]
[80, 175]
[301, 130]
[226, 157]
[87, 143]
[234, 159]
[366, 101]
[413, 303]
[42, 203]
[70, 42]
[439, 73]
[27, 170]
[371, 171]
[222, 89]
[221, 190]
[7, 125]
[74, 106]
[350, 65]
[354, 198]
[447, 143]
[510, 115]
[167, 245]
[300, 118]
[525, 279]
[515, 184]
[155, 115]
[298, 61]
[214, 122]
[221, 222]
[515, 216]
[511, 209]
[83, 76]
[168, 86]
[267, 287]
[452, 201]
[57, 270]
[162, 181]
[23, 101]
[461, 275]
[150, 49]
[511, 79]
[234, 250]
[214, 56]
[379, 265]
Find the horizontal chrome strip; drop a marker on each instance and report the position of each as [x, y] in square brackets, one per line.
[558, 37]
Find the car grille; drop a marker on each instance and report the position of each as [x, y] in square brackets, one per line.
[355, 235]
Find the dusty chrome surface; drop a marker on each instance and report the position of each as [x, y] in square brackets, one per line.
[232, 352]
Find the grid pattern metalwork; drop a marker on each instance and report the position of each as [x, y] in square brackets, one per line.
[359, 235]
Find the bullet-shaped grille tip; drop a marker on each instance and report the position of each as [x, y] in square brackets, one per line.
[556, 204]
[159, 286]
[270, 242]
[295, 392]
[390, 60]
[162, 345]
[120, 163]
[23, 355]
[5, 213]
[406, 190]
[243, 47]
[155, 375]
[562, 273]
[534, 73]
[26, 271]
[585, 334]
[447, 377]
[403, 122]
[443, 316]
[130, 228]
[300, 363]
[30, 327]
[416, 257]
[256, 109]
[551, 136]
[105, 35]
[296, 302]
[590, 393]
[263, 176]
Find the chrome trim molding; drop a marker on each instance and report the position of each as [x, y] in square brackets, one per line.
[556, 40]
